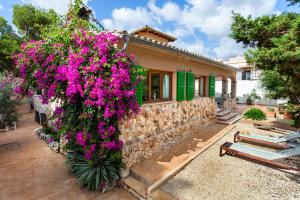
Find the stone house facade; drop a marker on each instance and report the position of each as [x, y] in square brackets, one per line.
[176, 95]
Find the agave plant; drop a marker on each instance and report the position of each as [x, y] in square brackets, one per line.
[95, 175]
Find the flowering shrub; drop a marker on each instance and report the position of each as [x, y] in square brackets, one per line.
[8, 102]
[92, 79]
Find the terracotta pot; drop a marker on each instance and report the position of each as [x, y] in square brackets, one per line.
[271, 114]
[287, 115]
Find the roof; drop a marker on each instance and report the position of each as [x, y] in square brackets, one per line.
[170, 48]
[155, 32]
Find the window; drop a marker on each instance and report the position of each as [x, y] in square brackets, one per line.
[239, 76]
[197, 85]
[246, 75]
[157, 86]
[200, 87]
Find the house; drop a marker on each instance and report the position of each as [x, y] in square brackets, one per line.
[247, 80]
[176, 95]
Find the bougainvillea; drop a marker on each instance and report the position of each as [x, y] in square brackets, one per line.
[93, 82]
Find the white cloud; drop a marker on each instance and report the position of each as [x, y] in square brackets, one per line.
[213, 17]
[210, 18]
[128, 19]
[197, 46]
[1, 7]
[60, 6]
[168, 12]
[227, 47]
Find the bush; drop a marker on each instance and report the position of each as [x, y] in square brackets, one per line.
[251, 97]
[293, 110]
[255, 114]
[96, 175]
[8, 108]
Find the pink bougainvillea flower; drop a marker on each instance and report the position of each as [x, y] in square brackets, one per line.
[19, 90]
[80, 138]
[88, 73]
[58, 111]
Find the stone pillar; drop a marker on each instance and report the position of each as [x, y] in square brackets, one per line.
[224, 88]
[233, 89]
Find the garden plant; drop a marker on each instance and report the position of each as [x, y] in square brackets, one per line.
[255, 114]
[8, 101]
[251, 97]
[79, 65]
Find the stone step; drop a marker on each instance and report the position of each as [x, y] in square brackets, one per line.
[222, 113]
[231, 121]
[141, 173]
[220, 109]
[227, 116]
[135, 187]
[161, 195]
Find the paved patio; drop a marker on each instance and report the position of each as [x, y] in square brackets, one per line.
[30, 170]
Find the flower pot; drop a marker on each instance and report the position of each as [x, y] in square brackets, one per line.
[287, 115]
[271, 114]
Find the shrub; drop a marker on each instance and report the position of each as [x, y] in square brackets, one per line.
[97, 176]
[95, 83]
[294, 110]
[255, 114]
[8, 102]
[251, 97]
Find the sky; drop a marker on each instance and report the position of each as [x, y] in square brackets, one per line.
[201, 26]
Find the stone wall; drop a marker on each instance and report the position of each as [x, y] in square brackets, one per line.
[161, 125]
[229, 104]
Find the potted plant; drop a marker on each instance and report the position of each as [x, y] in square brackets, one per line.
[271, 112]
[251, 97]
[289, 109]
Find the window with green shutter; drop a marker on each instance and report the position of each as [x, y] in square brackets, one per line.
[190, 85]
[180, 86]
[212, 83]
[139, 88]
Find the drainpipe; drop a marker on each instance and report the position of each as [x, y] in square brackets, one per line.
[126, 39]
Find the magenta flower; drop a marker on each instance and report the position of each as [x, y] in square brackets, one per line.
[80, 139]
[58, 111]
[89, 73]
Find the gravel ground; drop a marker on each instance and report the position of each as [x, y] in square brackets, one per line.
[212, 177]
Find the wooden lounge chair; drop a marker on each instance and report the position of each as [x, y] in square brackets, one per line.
[271, 128]
[262, 156]
[282, 142]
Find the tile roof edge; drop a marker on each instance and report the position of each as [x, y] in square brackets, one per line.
[168, 47]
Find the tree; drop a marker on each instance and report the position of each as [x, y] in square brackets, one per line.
[293, 2]
[9, 44]
[274, 43]
[30, 20]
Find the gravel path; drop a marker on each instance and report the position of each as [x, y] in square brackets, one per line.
[211, 177]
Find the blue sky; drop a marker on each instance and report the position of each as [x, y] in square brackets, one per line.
[201, 26]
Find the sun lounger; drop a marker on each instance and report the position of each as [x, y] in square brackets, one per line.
[260, 155]
[282, 142]
[272, 128]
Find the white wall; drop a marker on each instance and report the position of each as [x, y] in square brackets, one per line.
[246, 86]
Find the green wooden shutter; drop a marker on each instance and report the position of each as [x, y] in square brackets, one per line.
[180, 86]
[212, 82]
[190, 85]
[139, 87]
